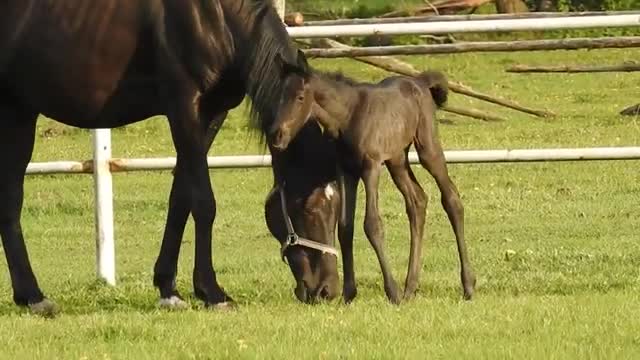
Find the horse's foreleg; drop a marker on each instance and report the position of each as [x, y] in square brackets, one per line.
[17, 134]
[374, 230]
[186, 130]
[166, 267]
[348, 194]
[416, 204]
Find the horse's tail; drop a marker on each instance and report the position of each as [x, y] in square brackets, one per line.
[437, 84]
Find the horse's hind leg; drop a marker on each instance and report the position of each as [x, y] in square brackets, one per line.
[17, 133]
[432, 158]
[374, 230]
[416, 205]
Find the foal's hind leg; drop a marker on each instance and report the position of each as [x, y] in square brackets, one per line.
[416, 204]
[432, 158]
[374, 230]
[17, 133]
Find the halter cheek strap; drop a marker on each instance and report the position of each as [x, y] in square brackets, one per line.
[293, 239]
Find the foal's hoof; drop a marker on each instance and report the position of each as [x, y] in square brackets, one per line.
[173, 303]
[468, 288]
[223, 306]
[45, 308]
[393, 294]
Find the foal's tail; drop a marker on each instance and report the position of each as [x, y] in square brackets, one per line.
[437, 84]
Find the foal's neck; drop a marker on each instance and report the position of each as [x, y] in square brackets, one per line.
[334, 102]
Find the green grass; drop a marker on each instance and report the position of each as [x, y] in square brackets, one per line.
[570, 290]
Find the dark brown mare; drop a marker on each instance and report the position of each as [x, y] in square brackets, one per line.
[309, 194]
[376, 124]
[107, 63]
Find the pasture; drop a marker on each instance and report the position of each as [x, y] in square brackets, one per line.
[568, 288]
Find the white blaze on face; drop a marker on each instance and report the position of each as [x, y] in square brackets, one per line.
[328, 191]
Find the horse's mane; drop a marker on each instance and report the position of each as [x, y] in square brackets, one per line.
[264, 82]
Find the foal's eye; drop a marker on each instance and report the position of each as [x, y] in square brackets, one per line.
[300, 98]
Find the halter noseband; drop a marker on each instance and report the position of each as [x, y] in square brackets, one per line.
[292, 238]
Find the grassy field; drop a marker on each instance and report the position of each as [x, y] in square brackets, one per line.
[570, 290]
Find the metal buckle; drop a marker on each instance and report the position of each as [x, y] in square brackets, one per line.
[292, 239]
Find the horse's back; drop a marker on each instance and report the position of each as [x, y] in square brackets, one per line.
[68, 58]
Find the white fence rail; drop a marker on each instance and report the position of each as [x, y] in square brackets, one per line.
[466, 26]
[103, 165]
[261, 161]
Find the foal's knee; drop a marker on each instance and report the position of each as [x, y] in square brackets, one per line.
[421, 200]
[372, 227]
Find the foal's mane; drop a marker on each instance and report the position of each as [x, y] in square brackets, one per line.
[339, 77]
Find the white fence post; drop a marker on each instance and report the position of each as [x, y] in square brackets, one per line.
[280, 7]
[105, 245]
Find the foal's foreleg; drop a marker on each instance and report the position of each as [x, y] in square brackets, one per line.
[374, 230]
[432, 158]
[416, 204]
[348, 194]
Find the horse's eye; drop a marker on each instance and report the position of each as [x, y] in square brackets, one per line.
[300, 98]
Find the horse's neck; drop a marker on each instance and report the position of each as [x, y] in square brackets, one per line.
[334, 104]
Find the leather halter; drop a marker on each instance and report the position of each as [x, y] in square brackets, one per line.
[292, 238]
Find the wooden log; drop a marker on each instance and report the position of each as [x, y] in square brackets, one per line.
[411, 19]
[437, 7]
[574, 69]
[294, 19]
[631, 111]
[484, 46]
[470, 112]
[403, 68]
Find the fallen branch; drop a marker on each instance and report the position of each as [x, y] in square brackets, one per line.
[574, 69]
[465, 90]
[473, 113]
[403, 68]
[485, 46]
[455, 5]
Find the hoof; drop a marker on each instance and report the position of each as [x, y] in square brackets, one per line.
[173, 303]
[468, 287]
[348, 295]
[393, 294]
[45, 308]
[409, 295]
[223, 306]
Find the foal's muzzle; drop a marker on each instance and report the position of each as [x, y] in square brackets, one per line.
[280, 139]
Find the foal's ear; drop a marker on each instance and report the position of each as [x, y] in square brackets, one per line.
[285, 66]
[302, 61]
